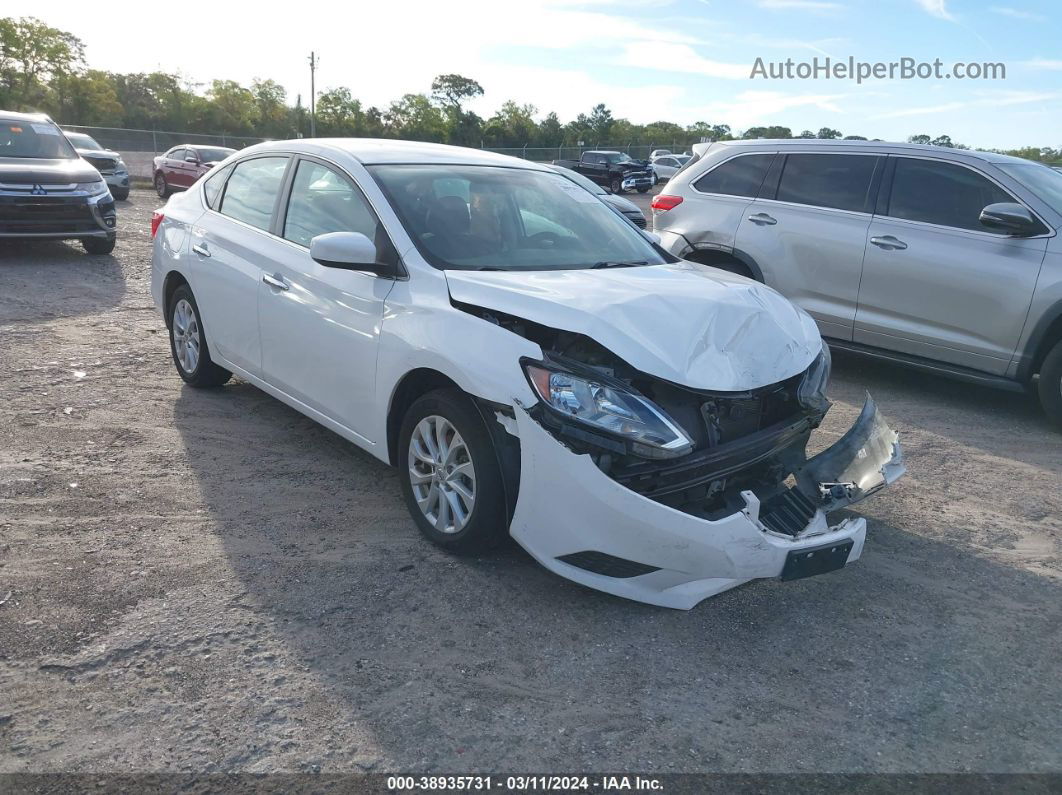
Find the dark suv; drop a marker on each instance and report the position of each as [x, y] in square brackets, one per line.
[47, 190]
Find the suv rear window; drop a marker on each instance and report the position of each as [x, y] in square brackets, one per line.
[741, 176]
[841, 182]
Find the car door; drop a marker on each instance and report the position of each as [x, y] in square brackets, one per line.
[938, 284]
[190, 168]
[231, 244]
[666, 167]
[320, 325]
[172, 163]
[808, 233]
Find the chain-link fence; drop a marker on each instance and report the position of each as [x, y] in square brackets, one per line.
[139, 147]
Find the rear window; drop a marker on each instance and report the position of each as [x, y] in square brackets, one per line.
[252, 190]
[740, 176]
[840, 182]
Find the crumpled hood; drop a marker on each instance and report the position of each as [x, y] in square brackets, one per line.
[689, 324]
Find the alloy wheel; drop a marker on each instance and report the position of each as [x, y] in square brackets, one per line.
[186, 336]
[442, 474]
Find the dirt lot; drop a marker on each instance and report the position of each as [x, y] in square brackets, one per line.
[207, 581]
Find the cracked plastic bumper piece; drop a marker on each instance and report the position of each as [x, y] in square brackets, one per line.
[579, 523]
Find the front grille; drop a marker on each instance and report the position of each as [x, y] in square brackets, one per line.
[46, 214]
[787, 513]
[608, 565]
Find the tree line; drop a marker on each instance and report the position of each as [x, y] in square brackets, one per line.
[44, 69]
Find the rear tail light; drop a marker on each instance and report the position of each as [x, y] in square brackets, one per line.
[156, 219]
[664, 202]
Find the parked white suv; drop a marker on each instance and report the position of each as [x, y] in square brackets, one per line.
[528, 359]
[943, 259]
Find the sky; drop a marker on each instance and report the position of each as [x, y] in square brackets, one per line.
[647, 60]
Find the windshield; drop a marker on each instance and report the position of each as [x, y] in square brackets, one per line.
[490, 218]
[618, 157]
[212, 154]
[40, 140]
[682, 159]
[82, 141]
[1042, 180]
[583, 182]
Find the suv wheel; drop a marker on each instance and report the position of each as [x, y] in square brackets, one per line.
[162, 188]
[99, 245]
[451, 480]
[1051, 384]
[188, 342]
[120, 194]
[616, 186]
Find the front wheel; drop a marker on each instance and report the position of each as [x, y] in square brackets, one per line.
[616, 186]
[99, 245]
[451, 479]
[162, 187]
[643, 190]
[188, 343]
[120, 194]
[1050, 386]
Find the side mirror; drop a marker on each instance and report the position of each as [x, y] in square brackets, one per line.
[1009, 217]
[350, 251]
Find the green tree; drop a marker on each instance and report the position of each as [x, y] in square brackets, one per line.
[274, 116]
[828, 133]
[89, 98]
[33, 54]
[415, 118]
[806, 134]
[600, 122]
[768, 132]
[919, 139]
[452, 90]
[512, 125]
[232, 107]
[338, 113]
[550, 131]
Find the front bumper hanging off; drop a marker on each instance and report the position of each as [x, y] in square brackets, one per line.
[579, 523]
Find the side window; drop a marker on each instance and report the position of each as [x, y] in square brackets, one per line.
[740, 176]
[252, 190]
[941, 193]
[838, 181]
[213, 185]
[176, 154]
[669, 161]
[322, 201]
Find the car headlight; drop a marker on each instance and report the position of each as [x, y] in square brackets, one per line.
[610, 408]
[120, 164]
[812, 390]
[93, 188]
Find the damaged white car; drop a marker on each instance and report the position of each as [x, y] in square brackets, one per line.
[529, 361]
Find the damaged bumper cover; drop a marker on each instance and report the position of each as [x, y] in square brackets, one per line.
[583, 525]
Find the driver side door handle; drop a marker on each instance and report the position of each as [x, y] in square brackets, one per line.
[276, 281]
[889, 243]
[763, 219]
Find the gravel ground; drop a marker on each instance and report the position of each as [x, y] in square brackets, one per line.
[208, 581]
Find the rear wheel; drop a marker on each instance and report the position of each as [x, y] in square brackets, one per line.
[188, 343]
[451, 480]
[162, 188]
[99, 245]
[1050, 386]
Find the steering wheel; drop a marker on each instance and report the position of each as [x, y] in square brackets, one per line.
[545, 239]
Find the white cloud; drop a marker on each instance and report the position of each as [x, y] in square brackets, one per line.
[752, 108]
[985, 99]
[936, 8]
[1017, 13]
[947, 107]
[675, 57]
[1044, 64]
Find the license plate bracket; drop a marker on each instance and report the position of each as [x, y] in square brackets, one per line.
[808, 562]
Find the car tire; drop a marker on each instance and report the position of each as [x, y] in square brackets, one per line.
[642, 190]
[616, 186]
[120, 194]
[436, 487]
[1050, 386]
[188, 342]
[162, 188]
[99, 245]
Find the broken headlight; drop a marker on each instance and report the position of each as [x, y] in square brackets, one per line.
[812, 390]
[611, 408]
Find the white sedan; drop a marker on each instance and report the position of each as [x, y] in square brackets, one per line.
[533, 364]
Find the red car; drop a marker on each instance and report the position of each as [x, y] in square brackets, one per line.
[180, 167]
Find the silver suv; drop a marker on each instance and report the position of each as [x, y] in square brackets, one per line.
[948, 260]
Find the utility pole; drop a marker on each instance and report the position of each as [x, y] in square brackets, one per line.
[313, 97]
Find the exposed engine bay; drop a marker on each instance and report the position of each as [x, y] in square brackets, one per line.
[741, 441]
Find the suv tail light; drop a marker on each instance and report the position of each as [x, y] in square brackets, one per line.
[664, 202]
[156, 219]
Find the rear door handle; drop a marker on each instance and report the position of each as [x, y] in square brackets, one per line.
[276, 281]
[201, 249]
[762, 218]
[889, 243]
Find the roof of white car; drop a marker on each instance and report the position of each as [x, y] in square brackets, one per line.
[885, 146]
[371, 151]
